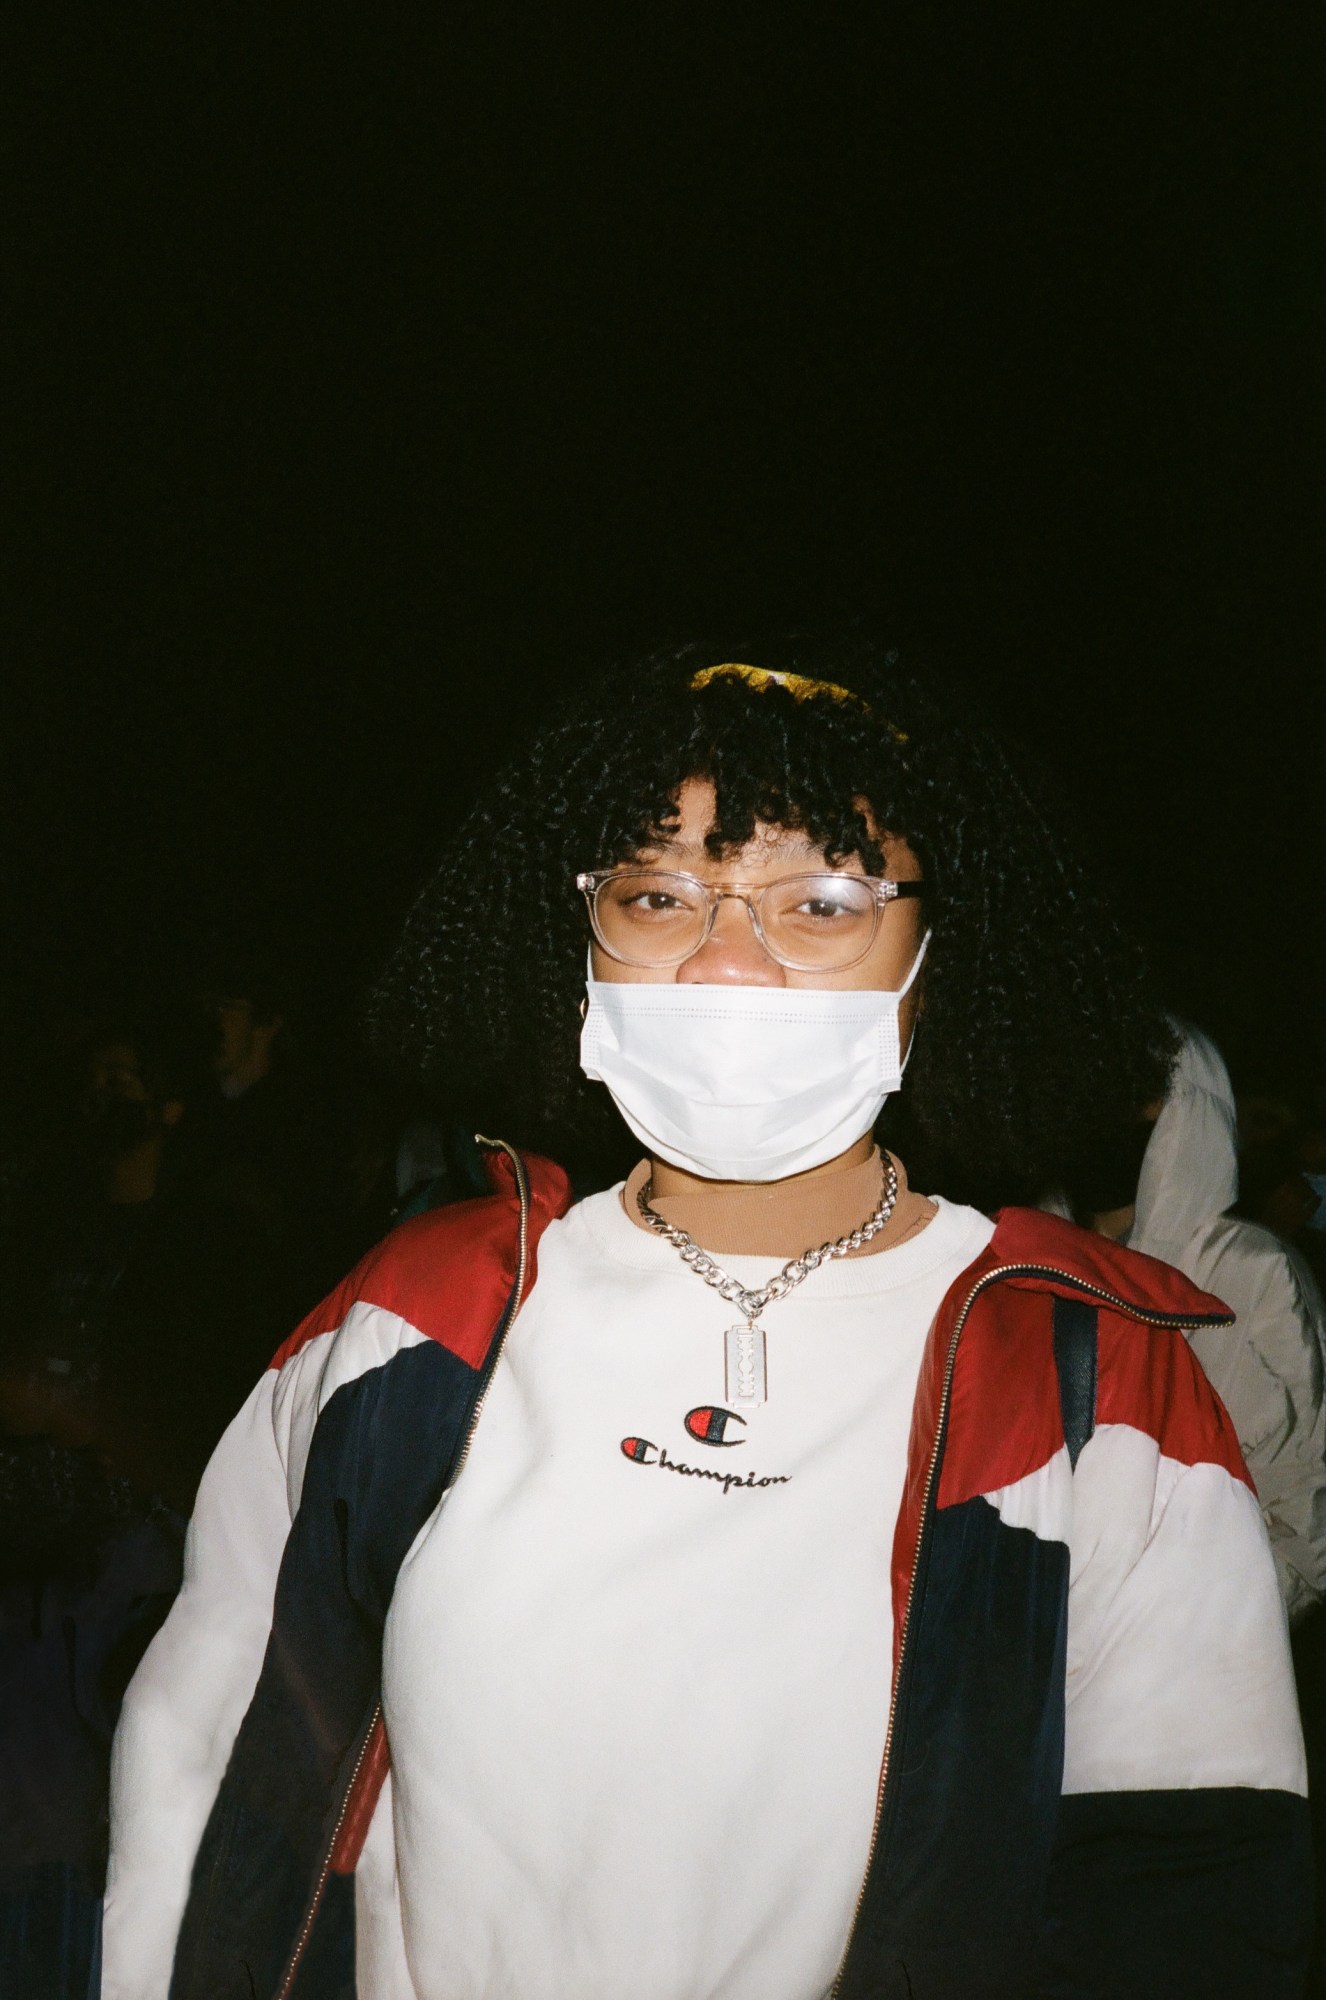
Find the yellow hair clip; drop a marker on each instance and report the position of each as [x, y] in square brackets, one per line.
[799, 686]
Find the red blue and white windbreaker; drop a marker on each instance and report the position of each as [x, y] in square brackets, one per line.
[1093, 1782]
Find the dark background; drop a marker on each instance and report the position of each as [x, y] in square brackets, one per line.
[371, 373]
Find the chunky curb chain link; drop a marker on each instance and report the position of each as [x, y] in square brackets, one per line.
[752, 1303]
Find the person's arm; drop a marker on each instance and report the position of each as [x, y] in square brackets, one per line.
[1182, 1866]
[1267, 1370]
[188, 1698]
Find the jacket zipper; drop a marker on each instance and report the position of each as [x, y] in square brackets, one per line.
[950, 1361]
[522, 1264]
[315, 1902]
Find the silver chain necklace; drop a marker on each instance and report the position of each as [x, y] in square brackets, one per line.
[743, 1346]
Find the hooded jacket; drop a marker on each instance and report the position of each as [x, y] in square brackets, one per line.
[1092, 1780]
[1267, 1365]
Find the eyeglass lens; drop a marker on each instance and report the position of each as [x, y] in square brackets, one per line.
[811, 922]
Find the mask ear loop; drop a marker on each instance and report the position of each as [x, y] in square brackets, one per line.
[906, 987]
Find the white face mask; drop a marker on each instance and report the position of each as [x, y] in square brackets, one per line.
[745, 1083]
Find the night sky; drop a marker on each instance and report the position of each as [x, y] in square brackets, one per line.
[370, 376]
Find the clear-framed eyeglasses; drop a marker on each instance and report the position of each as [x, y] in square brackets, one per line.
[820, 922]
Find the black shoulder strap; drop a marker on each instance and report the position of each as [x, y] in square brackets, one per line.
[1075, 1360]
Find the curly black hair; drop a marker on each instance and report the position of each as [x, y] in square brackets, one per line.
[1037, 1031]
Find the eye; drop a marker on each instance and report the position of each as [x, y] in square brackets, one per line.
[648, 898]
[652, 901]
[822, 908]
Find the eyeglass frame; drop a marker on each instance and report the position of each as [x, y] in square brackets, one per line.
[884, 890]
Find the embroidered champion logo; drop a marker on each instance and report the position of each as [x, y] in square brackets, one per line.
[642, 1451]
[710, 1424]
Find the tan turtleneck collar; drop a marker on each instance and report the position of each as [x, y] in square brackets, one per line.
[773, 1219]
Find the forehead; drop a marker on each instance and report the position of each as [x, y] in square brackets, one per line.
[771, 847]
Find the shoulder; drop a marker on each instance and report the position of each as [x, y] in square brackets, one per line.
[447, 1275]
[1048, 1245]
[1035, 1279]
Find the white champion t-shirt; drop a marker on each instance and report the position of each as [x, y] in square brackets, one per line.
[637, 1666]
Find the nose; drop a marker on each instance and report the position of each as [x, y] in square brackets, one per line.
[732, 954]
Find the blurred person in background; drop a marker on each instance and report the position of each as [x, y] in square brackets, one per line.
[1168, 1186]
[299, 1127]
[88, 1570]
[1282, 1173]
[81, 1222]
[90, 1555]
[288, 1129]
[254, 1133]
[140, 1293]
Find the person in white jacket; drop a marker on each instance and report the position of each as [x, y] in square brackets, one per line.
[1266, 1367]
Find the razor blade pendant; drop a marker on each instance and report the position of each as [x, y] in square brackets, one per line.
[745, 1373]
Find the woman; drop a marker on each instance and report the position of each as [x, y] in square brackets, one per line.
[815, 1711]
